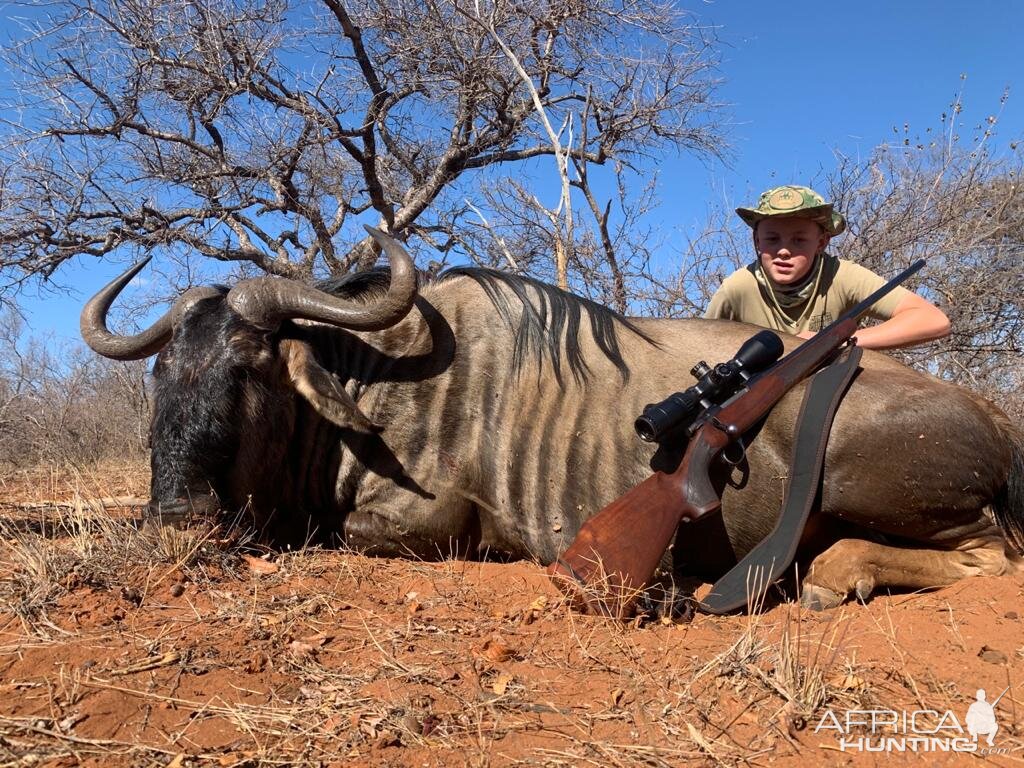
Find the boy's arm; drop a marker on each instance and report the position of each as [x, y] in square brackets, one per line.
[907, 318]
[914, 321]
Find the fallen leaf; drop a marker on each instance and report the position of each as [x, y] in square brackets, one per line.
[371, 725]
[500, 684]
[616, 697]
[412, 724]
[496, 651]
[259, 565]
[308, 645]
[334, 723]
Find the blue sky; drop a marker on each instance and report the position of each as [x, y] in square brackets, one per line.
[806, 79]
[802, 81]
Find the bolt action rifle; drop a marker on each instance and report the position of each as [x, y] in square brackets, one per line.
[617, 551]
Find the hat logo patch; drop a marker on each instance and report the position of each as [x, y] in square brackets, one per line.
[785, 199]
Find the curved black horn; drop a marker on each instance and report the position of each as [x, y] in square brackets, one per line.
[93, 321]
[267, 301]
[93, 324]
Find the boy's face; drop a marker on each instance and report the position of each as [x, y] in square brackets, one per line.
[787, 247]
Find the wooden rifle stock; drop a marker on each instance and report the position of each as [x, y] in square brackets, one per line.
[617, 550]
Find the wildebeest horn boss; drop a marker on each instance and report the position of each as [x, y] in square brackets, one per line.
[484, 413]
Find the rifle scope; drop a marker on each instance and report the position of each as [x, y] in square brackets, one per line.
[714, 386]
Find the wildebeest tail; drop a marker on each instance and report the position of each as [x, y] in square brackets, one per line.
[1008, 505]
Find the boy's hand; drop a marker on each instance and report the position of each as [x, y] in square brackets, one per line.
[806, 335]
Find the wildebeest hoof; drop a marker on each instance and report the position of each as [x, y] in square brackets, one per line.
[819, 598]
[864, 588]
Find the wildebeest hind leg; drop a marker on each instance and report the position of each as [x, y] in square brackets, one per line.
[859, 567]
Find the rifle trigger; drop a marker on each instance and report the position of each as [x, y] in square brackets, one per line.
[740, 452]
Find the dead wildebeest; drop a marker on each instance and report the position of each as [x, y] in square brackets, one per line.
[487, 413]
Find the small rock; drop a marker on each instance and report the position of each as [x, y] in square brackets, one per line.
[1012, 615]
[177, 590]
[991, 655]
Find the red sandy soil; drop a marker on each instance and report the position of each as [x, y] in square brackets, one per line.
[206, 656]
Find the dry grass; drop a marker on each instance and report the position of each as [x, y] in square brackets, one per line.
[58, 548]
[129, 646]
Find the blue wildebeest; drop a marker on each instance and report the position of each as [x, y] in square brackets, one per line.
[487, 413]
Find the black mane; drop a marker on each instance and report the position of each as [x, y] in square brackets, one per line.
[548, 315]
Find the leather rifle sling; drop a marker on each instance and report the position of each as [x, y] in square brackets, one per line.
[743, 585]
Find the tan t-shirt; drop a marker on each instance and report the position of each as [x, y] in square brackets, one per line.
[843, 285]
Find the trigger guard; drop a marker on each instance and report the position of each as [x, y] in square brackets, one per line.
[737, 459]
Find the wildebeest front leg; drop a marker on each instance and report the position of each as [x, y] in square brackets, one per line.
[406, 531]
[859, 567]
[379, 534]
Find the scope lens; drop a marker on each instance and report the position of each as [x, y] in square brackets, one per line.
[645, 430]
[658, 419]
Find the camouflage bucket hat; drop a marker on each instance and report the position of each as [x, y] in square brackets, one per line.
[791, 200]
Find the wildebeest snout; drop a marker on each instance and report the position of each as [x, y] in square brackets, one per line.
[180, 511]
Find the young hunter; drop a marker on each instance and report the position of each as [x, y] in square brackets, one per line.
[795, 287]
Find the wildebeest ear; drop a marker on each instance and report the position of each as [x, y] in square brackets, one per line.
[321, 388]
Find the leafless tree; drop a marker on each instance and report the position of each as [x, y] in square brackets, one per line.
[66, 406]
[963, 211]
[262, 132]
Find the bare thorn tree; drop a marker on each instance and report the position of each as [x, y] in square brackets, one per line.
[262, 132]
